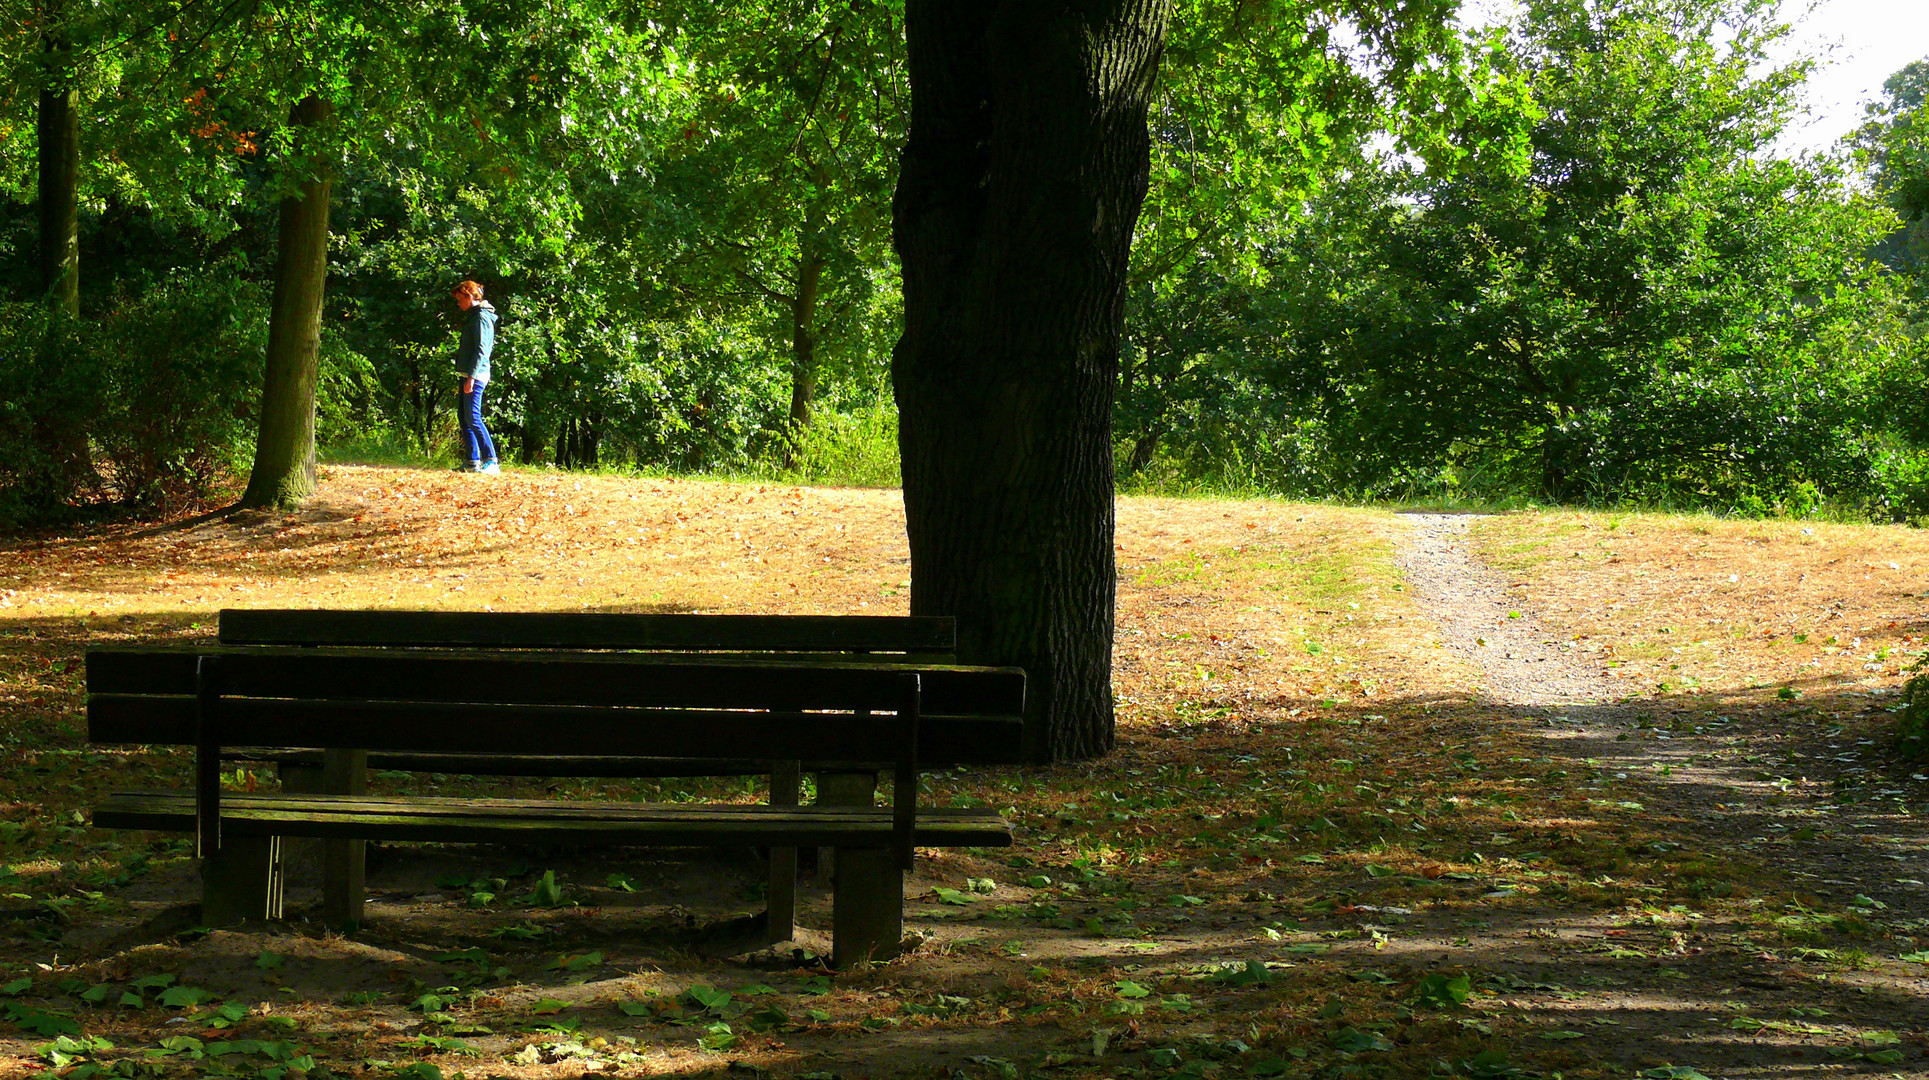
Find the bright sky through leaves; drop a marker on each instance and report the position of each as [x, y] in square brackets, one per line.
[1858, 43]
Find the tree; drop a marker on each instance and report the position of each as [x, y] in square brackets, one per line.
[284, 466]
[780, 175]
[1643, 306]
[1257, 108]
[1895, 144]
[58, 138]
[1897, 135]
[1019, 194]
[358, 79]
[1019, 189]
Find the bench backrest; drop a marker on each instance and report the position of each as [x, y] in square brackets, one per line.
[448, 702]
[928, 638]
[970, 715]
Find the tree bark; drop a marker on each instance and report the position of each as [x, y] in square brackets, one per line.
[58, 133]
[803, 339]
[1021, 184]
[59, 428]
[284, 465]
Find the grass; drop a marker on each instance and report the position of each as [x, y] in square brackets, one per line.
[1744, 607]
[1310, 856]
[841, 448]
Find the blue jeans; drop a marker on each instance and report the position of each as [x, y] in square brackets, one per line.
[475, 437]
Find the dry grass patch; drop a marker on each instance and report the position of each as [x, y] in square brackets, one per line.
[1307, 858]
[1712, 606]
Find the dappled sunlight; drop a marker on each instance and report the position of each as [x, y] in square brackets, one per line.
[1317, 848]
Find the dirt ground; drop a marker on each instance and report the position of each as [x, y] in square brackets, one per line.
[1395, 795]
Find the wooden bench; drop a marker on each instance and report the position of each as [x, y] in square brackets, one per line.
[892, 639]
[923, 641]
[423, 704]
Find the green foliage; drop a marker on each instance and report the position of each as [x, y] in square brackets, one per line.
[39, 1022]
[50, 392]
[1589, 285]
[1437, 991]
[547, 892]
[1912, 716]
[846, 449]
[182, 363]
[1647, 310]
[1895, 143]
[151, 403]
[1581, 277]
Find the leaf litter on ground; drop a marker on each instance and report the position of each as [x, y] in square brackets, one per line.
[1288, 762]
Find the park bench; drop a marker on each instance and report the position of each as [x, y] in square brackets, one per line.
[969, 715]
[925, 641]
[803, 638]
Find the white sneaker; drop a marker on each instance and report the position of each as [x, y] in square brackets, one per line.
[490, 469]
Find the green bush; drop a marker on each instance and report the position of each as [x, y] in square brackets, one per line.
[51, 389]
[1902, 485]
[1912, 716]
[184, 368]
[151, 405]
[846, 449]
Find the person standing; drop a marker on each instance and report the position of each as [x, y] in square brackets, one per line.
[472, 361]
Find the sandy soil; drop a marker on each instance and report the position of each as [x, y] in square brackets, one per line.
[1567, 756]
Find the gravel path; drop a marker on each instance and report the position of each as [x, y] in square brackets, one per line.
[1520, 662]
[1713, 774]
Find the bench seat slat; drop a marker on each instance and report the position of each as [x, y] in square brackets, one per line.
[168, 720]
[535, 729]
[591, 630]
[550, 821]
[549, 678]
[948, 689]
[493, 764]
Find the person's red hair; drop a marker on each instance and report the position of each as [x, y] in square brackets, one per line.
[469, 289]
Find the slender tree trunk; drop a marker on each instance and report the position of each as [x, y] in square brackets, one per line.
[60, 431]
[58, 131]
[803, 336]
[1144, 448]
[803, 315]
[284, 465]
[1021, 184]
[803, 339]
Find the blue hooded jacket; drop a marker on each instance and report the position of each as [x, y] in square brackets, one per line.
[478, 341]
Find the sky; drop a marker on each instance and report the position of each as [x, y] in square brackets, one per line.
[1860, 43]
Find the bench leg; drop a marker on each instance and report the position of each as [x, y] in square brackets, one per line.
[301, 854]
[867, 897]
[781, 918]
[344, 862]
[242, 882]
[867, 907]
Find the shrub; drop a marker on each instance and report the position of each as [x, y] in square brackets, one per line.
[1912, 716]
[184, 364]
[846, 449]
[152, 403]
[51, 389]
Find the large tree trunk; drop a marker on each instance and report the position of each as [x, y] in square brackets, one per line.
[1021, 184]
[284, 465]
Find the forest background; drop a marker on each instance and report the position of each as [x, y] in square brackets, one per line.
[1556, 262]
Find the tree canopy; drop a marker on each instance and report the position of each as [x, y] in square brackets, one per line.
[1330, 248]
